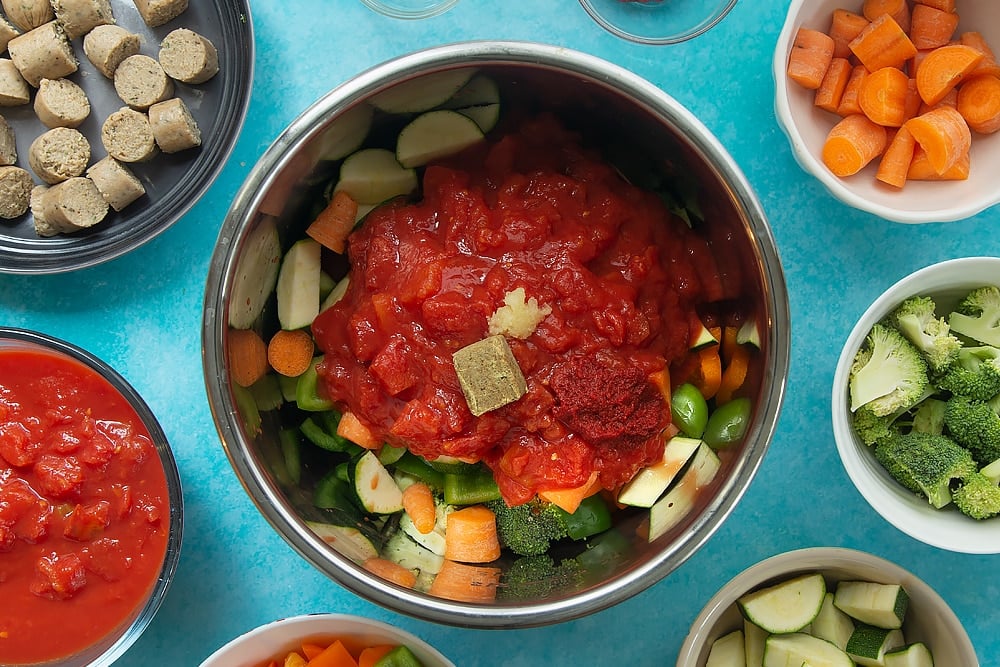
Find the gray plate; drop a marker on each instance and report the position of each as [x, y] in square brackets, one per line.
[173, 182]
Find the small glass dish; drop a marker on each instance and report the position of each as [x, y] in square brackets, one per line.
[657, 21]
[410, 9]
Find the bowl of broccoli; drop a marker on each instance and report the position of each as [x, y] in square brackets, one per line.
[916, 405]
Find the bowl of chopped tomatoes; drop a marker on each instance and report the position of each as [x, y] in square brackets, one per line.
[908, 133]
[496, 335]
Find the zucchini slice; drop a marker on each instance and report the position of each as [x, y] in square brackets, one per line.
[913, 655]
[376, 489]
[349, 541]
[728, 651]
[754, 638]
[869, 644]
[346, 134]
[797, 648]
[298, 285]
[785, 607]
[434, 135]
[673, 507]
[881, 605]
[832, 624]
[256, 274]
[650, 483]
[479, 99]
[372, 176]
[423, 93]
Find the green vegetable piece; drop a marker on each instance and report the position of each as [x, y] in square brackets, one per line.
[728, 423]
[528, 529]
[266, 393]
[916, 320]
[401, 656]
[534, 577]
[388, 454]
[604, 554]
[332, 492]
[248, 409]
[978, 497]
[324, 439]
[288, 439]
[590, 518]
[306, 390]
[470, 489]
[418, 467]
[978, 316]
[925, 464]
[689, 410]
[975, 425]
[888, 372]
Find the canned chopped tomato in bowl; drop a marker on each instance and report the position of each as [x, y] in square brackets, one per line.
[447, 319]
[90, 506]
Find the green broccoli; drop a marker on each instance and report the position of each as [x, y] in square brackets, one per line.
[929, 416]
[975, 375]
[872, 428]
[888, 373]
[978, 497]
[538, 576]
[528, 529]
[931, 335]
[978, 316]
[925, 463]
[975, 425]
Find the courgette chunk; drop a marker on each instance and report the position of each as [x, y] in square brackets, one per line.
[785, 607]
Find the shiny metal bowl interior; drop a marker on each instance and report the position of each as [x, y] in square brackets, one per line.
[108, 649]
[601, 100]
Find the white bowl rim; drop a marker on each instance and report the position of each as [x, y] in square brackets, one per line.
[818, 559]
[834, 185]
[904, 510]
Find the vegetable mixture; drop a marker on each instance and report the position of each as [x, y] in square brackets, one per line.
[491, 344]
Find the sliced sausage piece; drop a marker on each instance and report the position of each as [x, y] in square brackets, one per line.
[7, 33]
[14, 90]
[174, 128]
[127, 136]
[59, 154]
[116, 182]
[43, 53]
[72, 205]
[188, 57]
[78, 17]
[61, 103]
[15, 192]
[140, 82]
[28, 14]
[42, 226]
[106, 46]
[158, 12]
[8, 143]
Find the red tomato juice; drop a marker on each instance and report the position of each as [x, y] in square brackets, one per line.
[84, 510]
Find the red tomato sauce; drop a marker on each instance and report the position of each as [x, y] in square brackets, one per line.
[84, 513]
[538, 211]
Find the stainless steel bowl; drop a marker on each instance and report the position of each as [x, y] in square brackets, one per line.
[601, 100]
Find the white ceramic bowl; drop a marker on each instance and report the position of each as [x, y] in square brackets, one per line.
[807, 127]
[279, 637]
[946, 282]
[928, 619]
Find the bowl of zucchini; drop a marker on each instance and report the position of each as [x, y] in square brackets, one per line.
[496, 334]
[827, 606]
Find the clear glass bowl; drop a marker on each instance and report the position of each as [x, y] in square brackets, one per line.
[657, 21]
[410, 9]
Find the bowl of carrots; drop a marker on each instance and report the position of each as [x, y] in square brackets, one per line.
[325, 640]
[894, 105]
[464, 391]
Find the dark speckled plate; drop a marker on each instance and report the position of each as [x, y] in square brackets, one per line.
[173, 182]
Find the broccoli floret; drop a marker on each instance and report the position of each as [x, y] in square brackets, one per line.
[931, 335]
[926, 464]
[975, 375]
[978, 497]
[992, 471]
[978, 316]
[538, 576]
[929, 416]
[888, 373]
[975, 425]
[872, 428]
[528, 529]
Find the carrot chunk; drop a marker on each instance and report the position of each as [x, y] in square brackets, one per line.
[391, 571]
[569, 499]
[471, 535]
[883, 96]
[465, 583]
[943, 69]
[844, 26]
[334, 655]
[922, 170]
[988, 65]
[978, 100]
[418, 503]
[350, 427]
[899, 10]
[810, 57]
[931, 28]
[882, 44]
[849, 100]
[290, 353]
[853, 143]
[831, 90]
[895, 162]
[943, 134]
[943, 5]
[334, 223]
[247, 356]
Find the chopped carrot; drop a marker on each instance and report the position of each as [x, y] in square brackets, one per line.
[949, 100]
[913, 101]
[943, 134]
[734, 375]
[988, 65]
[310, 650]
[569, 499]
[708, 374]
[882, 44]
[334, 223]
[418, 503]
[921, 169]
[247, 356]
[728, 345]
[290, 353]
[853, 143]
[978, 101]
[370, 656]
[294, 660]
[470, 535]
[394, 572]
[465, 583]
[334, 655]
[809, 58]
[661, 380]
[899, 10]
[931, 28]
[844, 26]
[350, 427]
[849, 100]
[943, 5]
[831, 90]
[883, 96]
[895, 162]
[943, 69]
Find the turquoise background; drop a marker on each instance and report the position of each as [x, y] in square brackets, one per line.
[142, 314]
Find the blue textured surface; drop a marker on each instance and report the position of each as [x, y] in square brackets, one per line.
[141, 313]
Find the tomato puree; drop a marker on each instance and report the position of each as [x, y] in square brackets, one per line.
[84, 513]
[534, 210]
